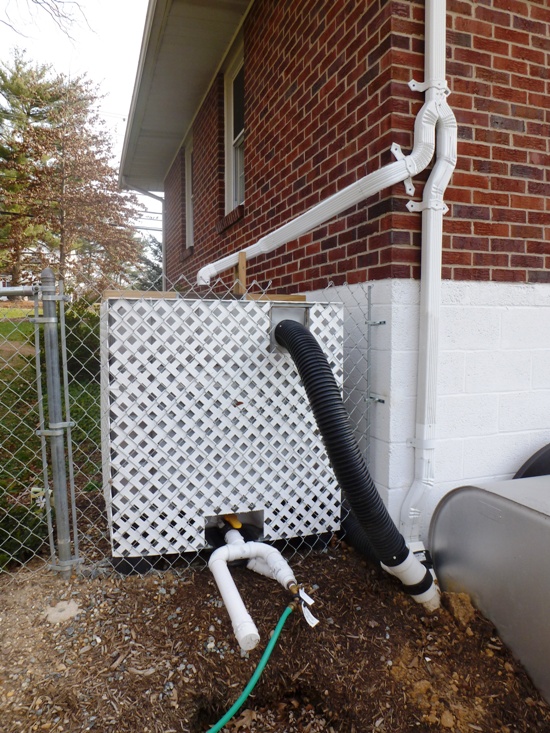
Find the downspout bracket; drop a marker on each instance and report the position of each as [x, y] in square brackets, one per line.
[400, 155]
[435, 204]
[421, 86]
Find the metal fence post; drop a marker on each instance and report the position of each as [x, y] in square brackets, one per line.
[56, 424]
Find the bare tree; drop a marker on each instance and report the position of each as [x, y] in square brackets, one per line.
[64, 13]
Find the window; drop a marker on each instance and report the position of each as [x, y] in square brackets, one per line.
[234, 132]
[189, 195]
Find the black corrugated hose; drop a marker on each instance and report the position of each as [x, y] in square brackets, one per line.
[345, 457]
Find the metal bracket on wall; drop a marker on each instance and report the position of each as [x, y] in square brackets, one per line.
[371, 397]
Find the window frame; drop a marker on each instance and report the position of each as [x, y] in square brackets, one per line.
[235, 190]
[189, 196]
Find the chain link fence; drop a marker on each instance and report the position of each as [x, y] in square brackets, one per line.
[169, 398]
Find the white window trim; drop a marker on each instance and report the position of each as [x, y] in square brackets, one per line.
[189, 195]
[234, 65]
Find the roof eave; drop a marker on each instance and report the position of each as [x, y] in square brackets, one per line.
[182, 40]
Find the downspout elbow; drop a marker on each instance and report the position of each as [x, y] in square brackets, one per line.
[447, 132]
[424, 138]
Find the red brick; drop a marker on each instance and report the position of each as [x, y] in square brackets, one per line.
[526, 232]
[538, 276]
[490, 259]
[470, 180]
[493, 16]
[489, 198]
[457, 258]
[508, 245]
[516, 185]
[514, 276]
[509, 215]
[491, 229]
[470, 243]
[493, 137]
[511, 36]
[471, 273]
[528, 53]
[539, 248]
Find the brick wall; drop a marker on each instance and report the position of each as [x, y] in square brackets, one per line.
[174, 215]
[326, 95]
[498, 61]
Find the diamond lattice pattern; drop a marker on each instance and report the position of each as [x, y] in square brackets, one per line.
[201, 418]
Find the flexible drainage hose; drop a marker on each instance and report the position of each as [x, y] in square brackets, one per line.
[256, 676]
[348, 463]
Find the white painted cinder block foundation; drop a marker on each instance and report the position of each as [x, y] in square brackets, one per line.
[493, 408]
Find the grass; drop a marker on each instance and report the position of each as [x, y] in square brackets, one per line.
[16, 330]
[13, 313]
[20, 446]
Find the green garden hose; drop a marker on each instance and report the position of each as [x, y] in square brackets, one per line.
[256, 676]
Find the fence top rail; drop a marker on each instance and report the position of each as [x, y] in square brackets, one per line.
[18, 290]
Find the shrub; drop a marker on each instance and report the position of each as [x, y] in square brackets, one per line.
[82, 335]
[23, 531]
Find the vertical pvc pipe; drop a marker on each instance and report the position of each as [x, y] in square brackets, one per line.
[56, 423]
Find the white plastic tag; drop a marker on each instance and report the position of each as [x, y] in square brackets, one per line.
[309, 617]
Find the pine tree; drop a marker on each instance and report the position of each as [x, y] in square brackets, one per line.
[28, 97]
[58, 188]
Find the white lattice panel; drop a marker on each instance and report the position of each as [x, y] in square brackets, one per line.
[201, 419]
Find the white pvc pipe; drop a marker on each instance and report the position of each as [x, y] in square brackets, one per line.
[411, 572]
[433, 209]
[263, 559]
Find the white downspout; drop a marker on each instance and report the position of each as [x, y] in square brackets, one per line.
[433, 208]
[401, 170]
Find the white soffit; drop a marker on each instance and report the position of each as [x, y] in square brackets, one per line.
[183, 44]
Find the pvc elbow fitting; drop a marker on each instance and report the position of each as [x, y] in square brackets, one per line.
[265, 560]
[418, 580]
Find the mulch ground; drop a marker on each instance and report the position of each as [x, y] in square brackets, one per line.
[157, 654]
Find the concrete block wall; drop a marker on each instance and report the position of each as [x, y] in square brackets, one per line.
[493, 409]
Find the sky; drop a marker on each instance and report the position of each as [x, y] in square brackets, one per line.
[105, 43]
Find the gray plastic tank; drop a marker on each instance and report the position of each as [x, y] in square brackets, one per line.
[493, 543]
